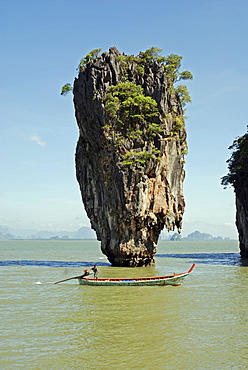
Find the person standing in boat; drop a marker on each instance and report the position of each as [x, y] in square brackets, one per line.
[95, 271]
[87, 272]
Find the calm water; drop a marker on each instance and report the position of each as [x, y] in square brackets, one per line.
[202, 324]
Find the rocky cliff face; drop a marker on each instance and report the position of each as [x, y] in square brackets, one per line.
[130, 175]
[242, 220]
[241, 190]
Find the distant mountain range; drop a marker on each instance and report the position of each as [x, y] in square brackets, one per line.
[8, 233]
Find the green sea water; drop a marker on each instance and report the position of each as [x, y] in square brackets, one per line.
[202, 324]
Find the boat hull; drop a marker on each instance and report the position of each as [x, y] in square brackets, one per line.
[176, 279]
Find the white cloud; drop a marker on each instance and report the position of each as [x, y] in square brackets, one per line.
[37, 139]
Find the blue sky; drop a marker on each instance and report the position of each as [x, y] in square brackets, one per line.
[42, 42]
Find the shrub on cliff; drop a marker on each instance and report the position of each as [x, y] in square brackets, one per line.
[131, 114]
[90, 56]
[127, 104]
[66, 89]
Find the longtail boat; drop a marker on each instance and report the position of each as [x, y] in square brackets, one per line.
[175, 279]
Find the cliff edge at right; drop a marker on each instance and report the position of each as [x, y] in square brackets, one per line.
[238, 178]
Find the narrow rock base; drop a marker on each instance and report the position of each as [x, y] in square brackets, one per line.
[132, 262]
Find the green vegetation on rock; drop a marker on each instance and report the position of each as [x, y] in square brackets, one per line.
[237, 163]
[130, 114]
[127, 104]
[172, 65]
[82, 64]
[88, 58]
[149, 56]
[66, 89]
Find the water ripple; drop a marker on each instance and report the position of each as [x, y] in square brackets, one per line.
[229, 259]
[52, 263]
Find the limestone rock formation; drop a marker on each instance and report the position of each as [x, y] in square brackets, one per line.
[238, 178]
[130, 174]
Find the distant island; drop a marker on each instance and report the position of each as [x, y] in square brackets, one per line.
[196, 235]
[86, 233]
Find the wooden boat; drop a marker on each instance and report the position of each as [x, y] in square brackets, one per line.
[175, 279]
